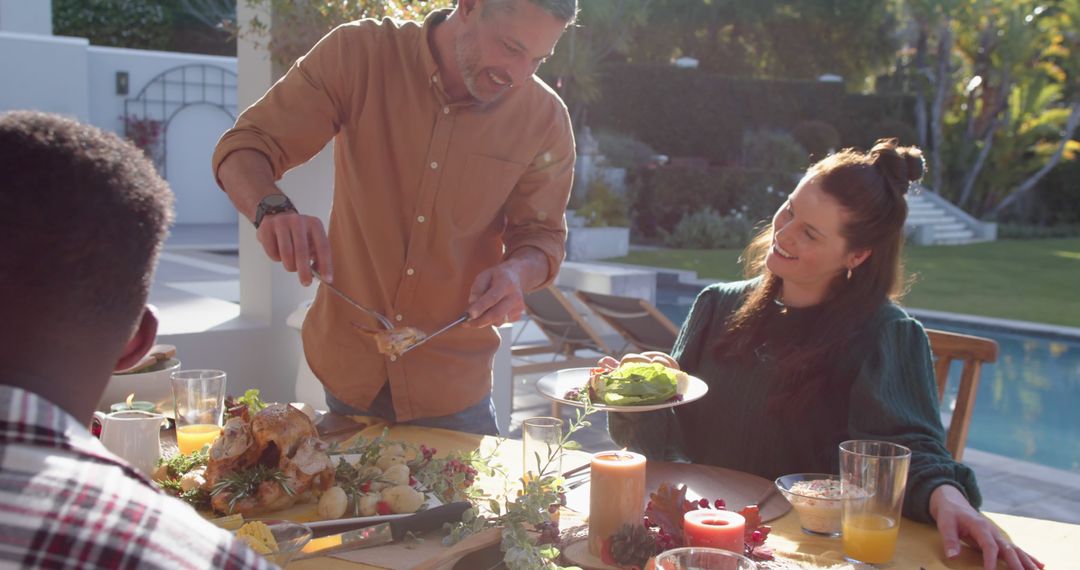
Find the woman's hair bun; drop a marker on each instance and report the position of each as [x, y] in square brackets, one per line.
[901, 165]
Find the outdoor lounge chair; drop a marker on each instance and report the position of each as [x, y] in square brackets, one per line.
[567, 332]
[973, 351]
[636, 319]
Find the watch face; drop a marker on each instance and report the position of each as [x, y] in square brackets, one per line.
[275, 200]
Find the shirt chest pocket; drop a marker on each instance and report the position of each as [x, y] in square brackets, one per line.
[485, 184]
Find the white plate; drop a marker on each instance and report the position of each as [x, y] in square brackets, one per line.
[554, 387]
[430, 502]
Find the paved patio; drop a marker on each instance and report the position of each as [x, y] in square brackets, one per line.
[197, 281]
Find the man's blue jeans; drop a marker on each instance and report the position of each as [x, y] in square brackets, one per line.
[479, 418]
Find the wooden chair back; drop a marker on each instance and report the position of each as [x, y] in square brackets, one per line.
[972, 351]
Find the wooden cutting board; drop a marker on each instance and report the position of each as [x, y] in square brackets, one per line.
[429, 553]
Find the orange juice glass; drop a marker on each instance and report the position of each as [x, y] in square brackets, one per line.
[200, 405]
[873, 475]
[191, 438]
[870, 538]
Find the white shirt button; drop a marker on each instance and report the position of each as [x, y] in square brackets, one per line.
[446, 110]
[409, 271]
[434, 165]
[421, 219]
[393, 359]
[398, 318]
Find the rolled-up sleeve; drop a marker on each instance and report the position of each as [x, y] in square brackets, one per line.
[535, 210]
[305, 109]
[894, 398]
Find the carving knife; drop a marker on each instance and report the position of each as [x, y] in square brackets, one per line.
[386, 532]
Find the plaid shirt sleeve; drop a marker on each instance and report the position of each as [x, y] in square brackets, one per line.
[65, 501]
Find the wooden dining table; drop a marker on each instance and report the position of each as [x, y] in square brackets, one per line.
[919, 546]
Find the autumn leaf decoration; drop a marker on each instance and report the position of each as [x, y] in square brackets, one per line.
[664, 516]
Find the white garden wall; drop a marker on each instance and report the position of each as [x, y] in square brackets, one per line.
[68, 76]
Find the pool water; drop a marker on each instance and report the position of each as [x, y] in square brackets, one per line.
[1028, 405]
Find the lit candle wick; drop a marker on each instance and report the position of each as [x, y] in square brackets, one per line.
[130, 398]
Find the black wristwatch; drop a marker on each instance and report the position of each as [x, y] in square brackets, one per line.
[272, 204]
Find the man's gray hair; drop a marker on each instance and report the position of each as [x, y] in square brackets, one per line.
[564, 10]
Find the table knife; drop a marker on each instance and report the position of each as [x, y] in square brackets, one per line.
[386, 532]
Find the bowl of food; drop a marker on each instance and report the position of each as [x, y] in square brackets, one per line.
[279, 541]
[816, 497]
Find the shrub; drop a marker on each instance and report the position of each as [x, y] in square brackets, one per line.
[891, 128]
[663, 196]
[817, 137]
[773, 150]
[1028, 231]
[603, 207]
[711, 111]
[707, 229]
[138, 24]
[624, 151]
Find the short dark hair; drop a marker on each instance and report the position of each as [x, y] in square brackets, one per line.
[564, 10]
[83, 214]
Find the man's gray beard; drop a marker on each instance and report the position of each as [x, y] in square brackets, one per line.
[467, 67]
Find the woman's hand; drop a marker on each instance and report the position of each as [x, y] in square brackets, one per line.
[957, 521]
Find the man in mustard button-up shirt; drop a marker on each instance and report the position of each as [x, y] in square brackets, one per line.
[453, 166]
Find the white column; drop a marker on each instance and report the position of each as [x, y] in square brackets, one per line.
[268, 294]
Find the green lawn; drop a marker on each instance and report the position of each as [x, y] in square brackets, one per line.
[1028, 280]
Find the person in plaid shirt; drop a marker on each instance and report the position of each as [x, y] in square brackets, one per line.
[82, 218]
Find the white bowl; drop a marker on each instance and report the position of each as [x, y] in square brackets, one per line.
[153, 386]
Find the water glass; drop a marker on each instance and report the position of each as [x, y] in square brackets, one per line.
[697, 558]
[200, 405]
[873, 475]
[540, 437]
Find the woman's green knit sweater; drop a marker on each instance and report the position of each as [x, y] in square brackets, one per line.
[892, 397]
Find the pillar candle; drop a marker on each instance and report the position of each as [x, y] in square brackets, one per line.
[617, 494]
[715, 528]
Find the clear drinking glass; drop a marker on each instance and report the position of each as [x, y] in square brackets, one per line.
[697, 558]
[540, 437]
[873, 475]
[200, 405]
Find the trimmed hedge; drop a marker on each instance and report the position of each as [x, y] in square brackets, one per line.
[687, 112]
[663, 196]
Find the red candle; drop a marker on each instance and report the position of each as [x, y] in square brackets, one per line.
[714, 529]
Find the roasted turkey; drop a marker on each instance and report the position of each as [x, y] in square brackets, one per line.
[279, 437]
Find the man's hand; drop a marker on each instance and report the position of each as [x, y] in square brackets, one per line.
[496, 297]
[498, 293]
[957, 520]
[296, 241]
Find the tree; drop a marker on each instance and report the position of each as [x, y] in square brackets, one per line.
[298, 25]
[604, 30]
[797, 39]
[993, 74]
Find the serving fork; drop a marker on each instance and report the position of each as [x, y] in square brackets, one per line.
[383, 320]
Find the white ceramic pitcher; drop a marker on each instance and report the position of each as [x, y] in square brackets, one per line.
[134, 435]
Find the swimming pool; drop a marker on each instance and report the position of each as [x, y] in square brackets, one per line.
[1028, 405]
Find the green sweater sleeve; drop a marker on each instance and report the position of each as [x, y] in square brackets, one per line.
[658, 435]
[894, 398]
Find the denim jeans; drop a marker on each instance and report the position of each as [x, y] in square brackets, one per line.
[479, 418]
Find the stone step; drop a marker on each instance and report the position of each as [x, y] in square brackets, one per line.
[950, 227]
[934, 219]
[953, 234]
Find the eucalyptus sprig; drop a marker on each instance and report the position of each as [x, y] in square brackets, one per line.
[529, 531]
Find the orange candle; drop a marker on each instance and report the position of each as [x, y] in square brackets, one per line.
[617, 494]
[715, 529]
